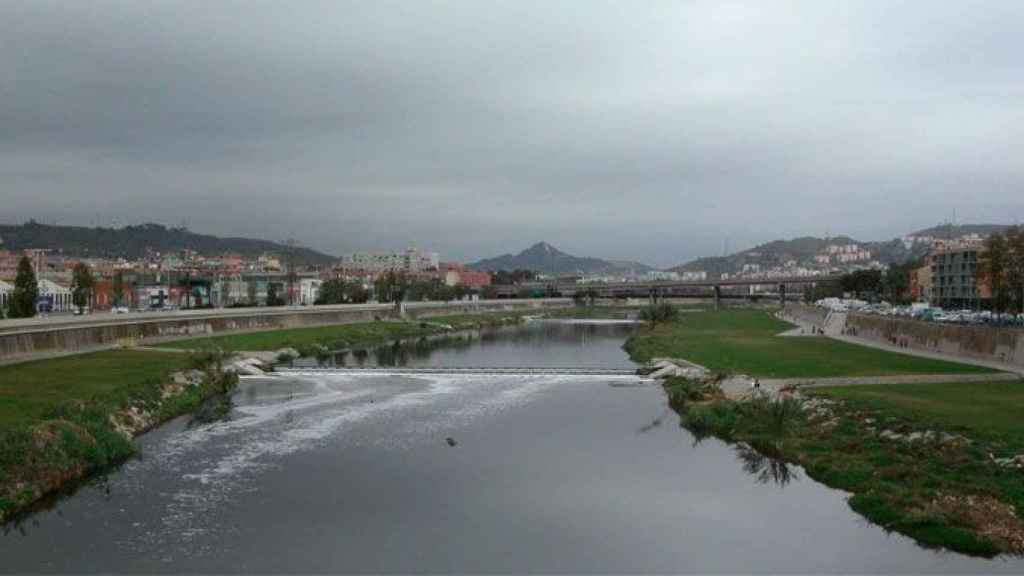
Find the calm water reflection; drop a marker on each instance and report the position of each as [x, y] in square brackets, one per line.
[552, 474]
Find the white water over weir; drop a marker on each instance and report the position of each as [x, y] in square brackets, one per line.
[468, 370]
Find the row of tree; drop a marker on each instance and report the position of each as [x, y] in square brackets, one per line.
[1001, 266]
[24, 298]
[893, 285]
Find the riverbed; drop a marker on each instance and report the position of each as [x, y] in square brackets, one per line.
[459, 473]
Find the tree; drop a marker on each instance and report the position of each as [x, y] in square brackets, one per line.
[82, 285]
[273, 299]
[1015, 267]
[250, 291]
[391, 287]
[26, 291]
[341, 291]
[117, 288]
[993, 264]
[862, 282]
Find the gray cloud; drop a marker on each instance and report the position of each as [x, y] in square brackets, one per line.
[651, 131]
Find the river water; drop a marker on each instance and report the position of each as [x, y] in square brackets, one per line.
[353, 473]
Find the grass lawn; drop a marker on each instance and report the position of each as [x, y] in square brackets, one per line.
[989, 411]
[746, 341]
[343, 336]
[29, 392]
[333, 337]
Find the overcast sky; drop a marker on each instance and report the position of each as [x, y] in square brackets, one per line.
[643, 130]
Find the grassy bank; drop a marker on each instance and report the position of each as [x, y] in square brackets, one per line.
[932, 461]
[63, 419]
[596, 312]
[915, 460]
[746, 341]
[310, 340]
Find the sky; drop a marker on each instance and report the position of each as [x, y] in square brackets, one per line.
[652, 131]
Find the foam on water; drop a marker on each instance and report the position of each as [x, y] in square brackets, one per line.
[217, 462]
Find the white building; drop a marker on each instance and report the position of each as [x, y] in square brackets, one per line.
[53, 297]
[411, 260]
[309, 290]
[5, 295]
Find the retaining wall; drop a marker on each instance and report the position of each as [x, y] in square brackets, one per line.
[43, 340]
[812, 315]
[982, 342]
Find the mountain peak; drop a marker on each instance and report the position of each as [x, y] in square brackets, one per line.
[545, 258]
[542, 248]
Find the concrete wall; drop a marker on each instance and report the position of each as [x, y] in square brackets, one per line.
[983, 342]
[812, 315]
[126, 331]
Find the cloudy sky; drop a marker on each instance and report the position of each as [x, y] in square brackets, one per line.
[644, 130]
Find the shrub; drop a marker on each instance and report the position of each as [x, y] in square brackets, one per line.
[715, 419]
[659, 313]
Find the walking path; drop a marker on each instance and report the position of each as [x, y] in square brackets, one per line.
[993, 364]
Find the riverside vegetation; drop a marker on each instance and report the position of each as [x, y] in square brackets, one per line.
[938, 462]
[317, 340]
[64, 419]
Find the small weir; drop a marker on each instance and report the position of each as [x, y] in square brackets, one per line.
[468, 370]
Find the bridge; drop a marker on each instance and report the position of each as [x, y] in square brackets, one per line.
[669, 288]
[465, 370]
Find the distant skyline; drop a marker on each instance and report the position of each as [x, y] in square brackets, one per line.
[656, 132]
[515, 250]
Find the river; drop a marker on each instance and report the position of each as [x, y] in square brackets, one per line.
[354, 473]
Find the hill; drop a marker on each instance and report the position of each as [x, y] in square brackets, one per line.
[958, 230]
[775, 253]
[803, 249]
[545, 258]
[132, 242]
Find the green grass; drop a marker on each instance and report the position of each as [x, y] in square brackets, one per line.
[746, 341]
[893, 484]
[596, 312]
[343, 336]
[31, 390]
[55, 415]
[989, 411]
[333, 337]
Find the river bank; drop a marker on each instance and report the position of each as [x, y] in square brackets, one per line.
[65, 419]
[940, 463]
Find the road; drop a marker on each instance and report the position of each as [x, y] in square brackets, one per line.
[109, 318]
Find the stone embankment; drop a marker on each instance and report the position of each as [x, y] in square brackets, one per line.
[21, 340]
[987, 343]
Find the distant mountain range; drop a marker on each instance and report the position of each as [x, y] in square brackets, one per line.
[132, 242]
[545, 258]
[957, 230]
[803, 249]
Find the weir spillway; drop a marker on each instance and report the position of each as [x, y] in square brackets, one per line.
[466, 370]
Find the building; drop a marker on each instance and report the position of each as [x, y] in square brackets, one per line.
[467, 278]
[954, 277]
[53, 297]
[411, 261]
[921, 282]
[6, 290]
[308, 291]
